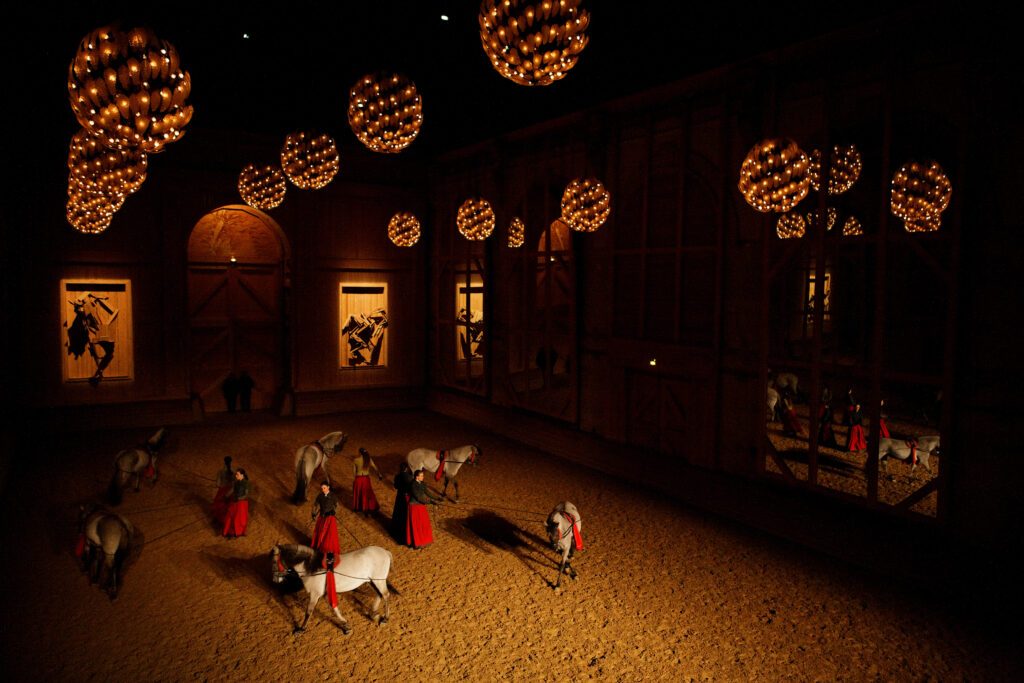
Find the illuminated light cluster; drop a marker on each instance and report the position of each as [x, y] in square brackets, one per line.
[516, 233]
[106, 171]
[128, 88]
[586, 204]
[533, 43]
[852, 227]
[831, 216]
[775, 175]
[88, 210]
[404, 229]
[790, 226]
[310, 161]
[475, 219]
[843, 172]
[262, 188]
[385, 112]
[920, 193]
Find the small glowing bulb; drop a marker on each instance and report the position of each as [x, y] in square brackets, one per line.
[245, 36]
[234, 260]
[444, 17]
[653, 362]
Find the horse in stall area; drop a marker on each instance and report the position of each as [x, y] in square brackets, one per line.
[920, 448]
[107, 534]
[443, 463]
[313, 455]
[370, 564]
[565, 531]
[132, 464]
[773, 404]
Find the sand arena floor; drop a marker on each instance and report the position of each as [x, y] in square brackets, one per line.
[665, 592]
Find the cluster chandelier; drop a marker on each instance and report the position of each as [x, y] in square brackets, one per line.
[533, 43]
[843, 171]
[385, 112]
[516, 233]
[790, 226]
[585, 204]
[309, 160]
[475, 219]
[920, 193]
[404, 229]
[262, 187]
[775, 175]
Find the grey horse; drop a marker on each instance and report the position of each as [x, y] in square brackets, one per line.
[431, 461]
[133, 464]
[565, 531]
[107, 539]
[920, 448]
[313, 455]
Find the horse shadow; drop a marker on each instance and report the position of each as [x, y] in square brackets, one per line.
[485, 530]
[832, 463]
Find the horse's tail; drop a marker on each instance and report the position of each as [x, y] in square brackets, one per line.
[115, 494]
[301, 481]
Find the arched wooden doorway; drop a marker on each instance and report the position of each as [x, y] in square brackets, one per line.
[237, 273]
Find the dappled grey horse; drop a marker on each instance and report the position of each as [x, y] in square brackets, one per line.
[313, 455]
[351, 570]
[133, 464]
[917, 449]
[444, 464]
[105, 540]
[565, 531]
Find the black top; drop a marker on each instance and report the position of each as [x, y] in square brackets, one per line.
[240, 491]
[403, 481]
[326, 504]
[418, 492]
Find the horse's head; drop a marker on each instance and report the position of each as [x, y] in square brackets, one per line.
[554, 530]
[474, 453]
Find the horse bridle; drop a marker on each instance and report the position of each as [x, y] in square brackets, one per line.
[572, 523]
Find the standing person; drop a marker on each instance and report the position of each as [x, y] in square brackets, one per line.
[403, 484]
[363, 499]
[826, 437]
[883, 428]
[856, 441]
[325, 509]
[418, 532]
[225, 484]
[230, 389]
[790, 423]
[245, 385]
[237, 517]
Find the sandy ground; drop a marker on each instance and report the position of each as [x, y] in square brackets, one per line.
[665, 593]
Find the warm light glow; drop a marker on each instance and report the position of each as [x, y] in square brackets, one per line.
[790, 226]
[475, 219]
[262, 188]
[831, 215]
[103, 170]
[89, 211]
[843, 172]
[404, 229]
[385, 112]
[653, 362]
[852, 227]
[585, 204]
[533, 43]
[920, 193]
[516, 233]
[309, 160]
[127, 87]
[774, 176]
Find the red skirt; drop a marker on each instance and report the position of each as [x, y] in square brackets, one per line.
[883, 428]
[417, 526]
[325, 535]
[856, 442]
[363, 499]
[220, 503]
[237, 518]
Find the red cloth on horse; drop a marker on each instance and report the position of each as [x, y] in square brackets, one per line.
[576, 535]
[330, 588]
[883, 428]
[220, 503]
[417, 527]
[237, 518]
[325, 535]
[80, 545]
[363, 499]
[856, 441]
[441, 457]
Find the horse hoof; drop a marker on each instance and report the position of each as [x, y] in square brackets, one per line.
[382, 621]
[345, 630]
[297, 630]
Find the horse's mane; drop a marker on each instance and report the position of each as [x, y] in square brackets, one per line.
[293, 553]
[330, 440]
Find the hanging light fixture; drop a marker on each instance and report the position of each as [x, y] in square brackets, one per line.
[88, 210]
[585, 204]
[533, 43]
[404, 229]
[920, 193]
[790, 226]
[385, 112]
[774, 175]
[843, 172]
[309, 160]
[262, 187]
[475, 219]
[128, 88]
[852, 227]
[831, 215]
[516, 233]
[104, 170]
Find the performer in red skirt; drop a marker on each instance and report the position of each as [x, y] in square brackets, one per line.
[790, 423]
[325, 533]
[856, 440]
[363, 499]
[225, 484]
[237, 517]
[418, 532]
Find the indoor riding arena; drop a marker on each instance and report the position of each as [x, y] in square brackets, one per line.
[675, 344]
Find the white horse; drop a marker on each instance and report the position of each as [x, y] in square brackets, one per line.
[106, 540]
[920, 448]
[773, 404]
[370, 564]
[430, 460]
[132, 464]
[313, 455]
[564, 526]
